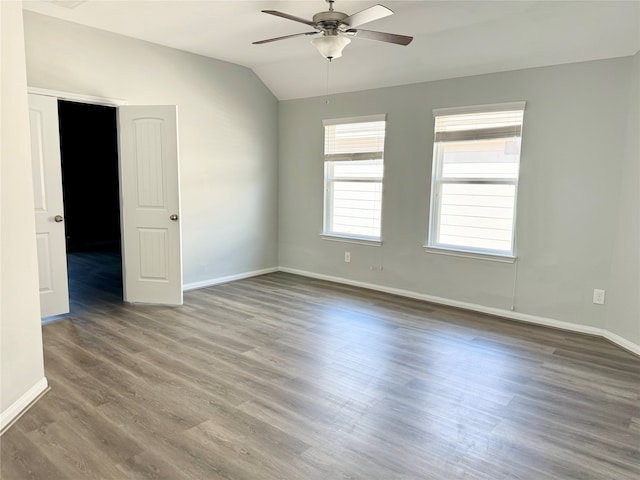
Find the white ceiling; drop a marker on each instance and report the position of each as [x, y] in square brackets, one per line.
[452, 38]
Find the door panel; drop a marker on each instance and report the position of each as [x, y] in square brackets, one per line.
[47, 189]
[150, 204]
[43, 246]
[153, 257]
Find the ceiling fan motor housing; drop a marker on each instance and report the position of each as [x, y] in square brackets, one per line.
[330, 22]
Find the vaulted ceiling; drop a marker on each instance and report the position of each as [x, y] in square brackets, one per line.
[451, 38]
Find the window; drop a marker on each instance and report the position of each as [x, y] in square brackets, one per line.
[476, 158]
[353, 173]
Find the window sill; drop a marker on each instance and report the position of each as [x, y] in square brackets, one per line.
[467, 254]
[347, 239]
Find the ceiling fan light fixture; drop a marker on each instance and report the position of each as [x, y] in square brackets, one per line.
[330, 46]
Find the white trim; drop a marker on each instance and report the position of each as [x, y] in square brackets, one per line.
[491, 107]
[346, 239]
[522, 317]
[621, 342]
[54, 318]
[20, 406]
[77, 97]
[381, 117]
[469, 254]
[229, 278]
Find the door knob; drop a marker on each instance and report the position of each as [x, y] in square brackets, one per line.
[58, 218]
[174, 217]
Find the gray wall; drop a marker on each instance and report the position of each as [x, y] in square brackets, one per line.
[573, 153]
[21, 362]
[227, 131]
[623, 311]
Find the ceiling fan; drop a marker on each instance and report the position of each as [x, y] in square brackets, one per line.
[334, 30]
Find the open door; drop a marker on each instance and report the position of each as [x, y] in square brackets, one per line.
[49, 206]
[150, 204]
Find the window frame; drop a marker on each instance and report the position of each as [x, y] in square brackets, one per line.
[437, 182]
[329, 181]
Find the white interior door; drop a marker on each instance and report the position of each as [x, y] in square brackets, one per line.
[49, 206]
[150, 204]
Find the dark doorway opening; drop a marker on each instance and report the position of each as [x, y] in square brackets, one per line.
[89, 151]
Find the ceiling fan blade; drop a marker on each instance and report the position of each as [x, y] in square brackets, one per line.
[283, 38]
[367, 15]
[380, 36]
[289, 17]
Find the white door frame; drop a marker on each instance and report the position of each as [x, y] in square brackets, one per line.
[77, 97]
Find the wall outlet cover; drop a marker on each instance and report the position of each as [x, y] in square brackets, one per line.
[598, 296]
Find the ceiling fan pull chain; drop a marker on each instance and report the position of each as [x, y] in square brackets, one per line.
[326, 101]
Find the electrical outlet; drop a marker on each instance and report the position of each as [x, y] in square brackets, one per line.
[598, 296]
[347, 257]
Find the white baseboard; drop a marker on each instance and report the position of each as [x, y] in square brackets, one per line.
[621, 342]
[230, 278]
[522, 317]
[17, 408]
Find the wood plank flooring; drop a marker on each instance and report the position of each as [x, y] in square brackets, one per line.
[285, 377]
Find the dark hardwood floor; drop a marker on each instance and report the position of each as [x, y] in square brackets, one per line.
[285, 377]
[95, 279]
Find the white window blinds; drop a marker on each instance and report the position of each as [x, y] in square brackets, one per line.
[478, 126]
[354, 141]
